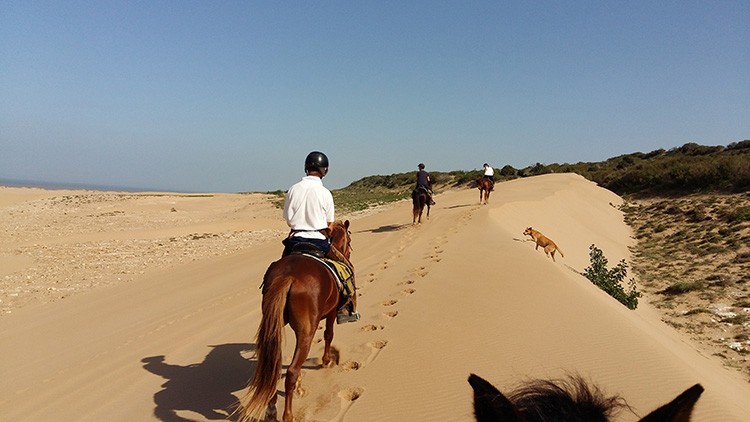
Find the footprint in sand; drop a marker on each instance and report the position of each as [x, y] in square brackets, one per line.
[372, 327]
[379, 345]
[351, 394]
[389, 302]
[408, 291]
[390, 315]
[351, 365]
[406, 282]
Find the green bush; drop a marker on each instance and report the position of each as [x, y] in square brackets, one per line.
[682, 287]
[610, 280]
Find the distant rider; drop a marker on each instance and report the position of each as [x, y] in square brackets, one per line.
[423, 181]
[489, 174]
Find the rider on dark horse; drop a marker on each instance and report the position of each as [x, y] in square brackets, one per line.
[309, 212]
[423, 181]
[489, 174]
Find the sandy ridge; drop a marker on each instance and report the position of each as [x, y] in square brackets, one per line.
[463, 292]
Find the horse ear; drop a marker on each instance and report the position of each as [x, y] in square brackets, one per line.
[346, 224]
[679, 409]
[490, 405]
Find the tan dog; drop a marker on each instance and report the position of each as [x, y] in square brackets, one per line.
[543, 241]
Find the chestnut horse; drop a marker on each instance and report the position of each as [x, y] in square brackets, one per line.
[300, 291]
[566, 400]
[419, 198]
[485, 186]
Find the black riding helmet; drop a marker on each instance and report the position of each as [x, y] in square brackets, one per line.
[317, 160]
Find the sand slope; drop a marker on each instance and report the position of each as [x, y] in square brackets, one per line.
[463, 292]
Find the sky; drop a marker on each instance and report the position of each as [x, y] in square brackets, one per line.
[230, 96]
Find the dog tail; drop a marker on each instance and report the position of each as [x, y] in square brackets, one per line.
[560, 250]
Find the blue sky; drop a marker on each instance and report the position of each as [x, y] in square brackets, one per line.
[229, 96]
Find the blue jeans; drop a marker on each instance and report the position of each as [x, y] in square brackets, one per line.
[323, 244]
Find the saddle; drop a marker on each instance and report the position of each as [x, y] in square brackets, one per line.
[304, 248]
[343, 273]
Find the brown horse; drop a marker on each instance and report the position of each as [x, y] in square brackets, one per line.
[419, 198]
[568, 400]
[300, 291]
[485, 186]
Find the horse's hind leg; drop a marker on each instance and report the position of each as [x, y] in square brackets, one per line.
[328, 337]
[271, 413]
[301, 350]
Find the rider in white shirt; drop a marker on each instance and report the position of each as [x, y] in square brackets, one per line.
[489, 173]
[309, 212]
[309, 209]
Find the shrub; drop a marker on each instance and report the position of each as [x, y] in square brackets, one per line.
[682, 287]
[610, 280]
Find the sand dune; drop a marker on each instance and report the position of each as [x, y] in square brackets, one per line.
[462, 292]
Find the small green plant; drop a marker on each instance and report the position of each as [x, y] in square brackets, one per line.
[682, 287]
[610, 280]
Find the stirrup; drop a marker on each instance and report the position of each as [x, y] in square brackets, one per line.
[344, 318]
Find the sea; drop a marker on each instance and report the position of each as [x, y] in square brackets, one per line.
[77, 186]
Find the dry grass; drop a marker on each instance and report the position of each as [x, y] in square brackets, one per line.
[692, 260]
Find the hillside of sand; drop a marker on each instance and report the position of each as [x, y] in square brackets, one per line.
[462, 292]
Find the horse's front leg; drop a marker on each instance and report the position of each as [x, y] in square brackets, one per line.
[328, 337]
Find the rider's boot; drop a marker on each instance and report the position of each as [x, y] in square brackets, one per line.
[348, 312]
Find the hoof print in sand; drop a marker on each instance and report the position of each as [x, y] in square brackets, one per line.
[351, 365]
[391, 315]
[352, 394]
[372, 327]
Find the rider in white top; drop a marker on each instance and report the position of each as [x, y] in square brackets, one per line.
[309, 211]
[488, 171]
[309, 208]
[489, 174]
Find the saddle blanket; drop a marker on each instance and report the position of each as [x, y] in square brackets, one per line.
[343, 274]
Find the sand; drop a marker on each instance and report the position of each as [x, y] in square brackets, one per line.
[123, 307]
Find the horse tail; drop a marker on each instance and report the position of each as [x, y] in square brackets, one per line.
[268, 349]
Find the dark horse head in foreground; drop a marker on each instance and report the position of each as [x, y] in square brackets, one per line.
[300, 291]
[419, 198]
[563, 401]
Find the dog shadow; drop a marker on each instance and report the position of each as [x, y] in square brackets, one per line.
[205, 388]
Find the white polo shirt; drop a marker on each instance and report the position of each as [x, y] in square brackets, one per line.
[309, 206]
[488, 171]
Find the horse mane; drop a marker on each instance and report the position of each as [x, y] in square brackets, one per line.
[567, 400]
[570, 399]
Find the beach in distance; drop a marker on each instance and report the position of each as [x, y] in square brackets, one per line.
[123, 306]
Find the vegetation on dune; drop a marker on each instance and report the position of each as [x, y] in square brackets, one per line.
[688, 169]
[610, 279]
[691, 168]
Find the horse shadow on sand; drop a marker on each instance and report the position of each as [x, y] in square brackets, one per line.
[205, 388]
[387, 228]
